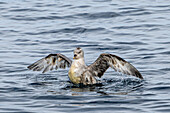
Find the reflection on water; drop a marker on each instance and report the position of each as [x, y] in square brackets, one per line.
[137, 31]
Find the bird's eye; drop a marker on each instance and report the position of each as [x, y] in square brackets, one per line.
[79, 52]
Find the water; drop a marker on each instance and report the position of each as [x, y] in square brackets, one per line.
[137, 31]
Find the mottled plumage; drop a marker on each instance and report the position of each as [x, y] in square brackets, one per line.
[50, 62]
[79, 72]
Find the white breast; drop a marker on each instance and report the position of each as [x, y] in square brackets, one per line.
[78, 67]
[76, 70]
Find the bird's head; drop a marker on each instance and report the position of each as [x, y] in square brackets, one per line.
[78, 53]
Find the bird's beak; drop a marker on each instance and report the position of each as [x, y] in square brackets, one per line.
[74, 56]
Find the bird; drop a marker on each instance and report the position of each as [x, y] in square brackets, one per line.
[79, 72]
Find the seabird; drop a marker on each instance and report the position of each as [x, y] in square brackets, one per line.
[79, 72]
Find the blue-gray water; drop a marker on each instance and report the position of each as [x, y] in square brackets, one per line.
[138, 31]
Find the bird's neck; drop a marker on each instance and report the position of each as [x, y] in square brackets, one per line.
[79, 61]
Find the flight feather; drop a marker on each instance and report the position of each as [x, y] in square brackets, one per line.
[104, 61]
[50, 62]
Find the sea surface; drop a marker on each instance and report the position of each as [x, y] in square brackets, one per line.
[136, 30]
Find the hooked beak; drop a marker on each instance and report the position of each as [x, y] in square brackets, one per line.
[74, 56]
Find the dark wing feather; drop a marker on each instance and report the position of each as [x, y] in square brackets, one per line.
[105, 61]
[50, 62]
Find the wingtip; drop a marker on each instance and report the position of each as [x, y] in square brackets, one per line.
[29, 67]
[139, 75]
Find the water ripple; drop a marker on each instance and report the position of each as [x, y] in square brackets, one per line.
[24, 10]
[137, 31]
[41, 18]
[69, 30]
[98, 15]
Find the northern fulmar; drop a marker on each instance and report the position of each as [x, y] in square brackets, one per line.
[79, 72]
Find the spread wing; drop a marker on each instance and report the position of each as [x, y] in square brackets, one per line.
[50, 62]
[105, 61]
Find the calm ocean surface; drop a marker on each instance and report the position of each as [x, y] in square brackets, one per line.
[138, 31]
